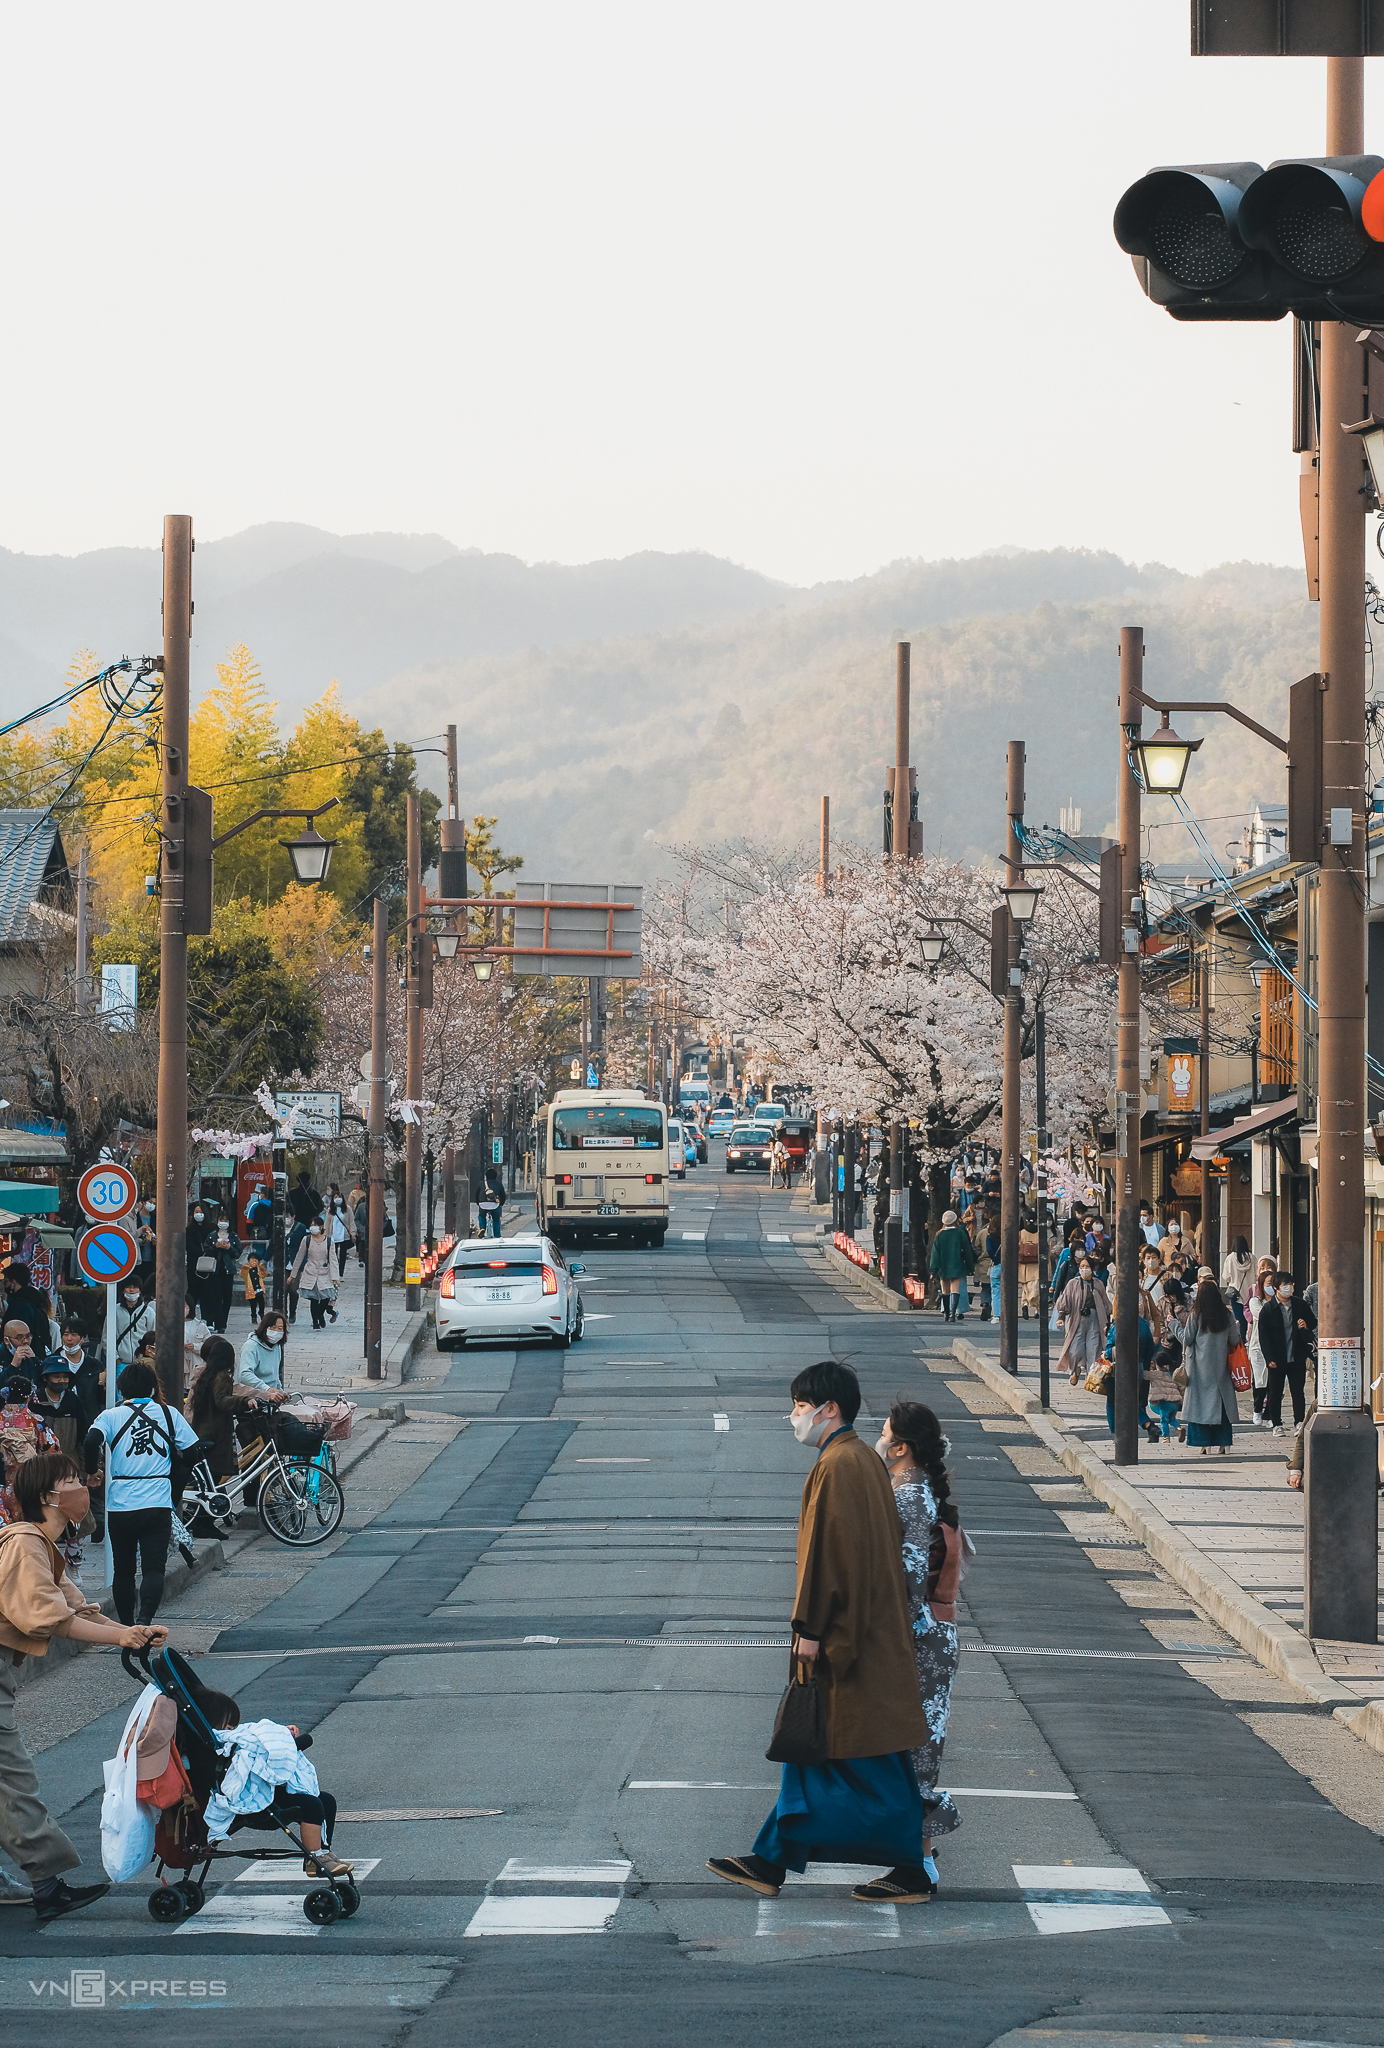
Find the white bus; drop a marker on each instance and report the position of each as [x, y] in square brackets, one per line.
[603, 1167]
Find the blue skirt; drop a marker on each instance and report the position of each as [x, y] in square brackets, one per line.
[1206, 1435]
[864, 1809]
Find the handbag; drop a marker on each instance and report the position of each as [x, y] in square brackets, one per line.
[206, 1264]
[800, 1725]
[1241, 1372]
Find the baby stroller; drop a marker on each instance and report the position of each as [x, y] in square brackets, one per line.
[181, 1842]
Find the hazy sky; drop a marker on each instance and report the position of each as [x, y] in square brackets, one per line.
[810, 286]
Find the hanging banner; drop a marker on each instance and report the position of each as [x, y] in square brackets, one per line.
[1182, 1082]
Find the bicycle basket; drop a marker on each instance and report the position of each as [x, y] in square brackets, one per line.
[296, 1438]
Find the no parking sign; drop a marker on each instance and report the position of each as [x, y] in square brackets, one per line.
[107, 1252]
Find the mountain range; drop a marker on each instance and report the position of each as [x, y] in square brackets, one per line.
[612, 710]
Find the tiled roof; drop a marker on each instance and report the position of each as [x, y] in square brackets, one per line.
[30, 855]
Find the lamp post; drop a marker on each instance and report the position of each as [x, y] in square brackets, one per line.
[416, 941]
[1127, 1082]
[379, 1064]
[1021, 900]
[170, 1257]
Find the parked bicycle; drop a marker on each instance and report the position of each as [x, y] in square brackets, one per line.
[299, 1498]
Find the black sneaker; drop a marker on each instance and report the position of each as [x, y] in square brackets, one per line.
[68, 1899]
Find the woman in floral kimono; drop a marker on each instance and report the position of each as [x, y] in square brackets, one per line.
[913, 1449]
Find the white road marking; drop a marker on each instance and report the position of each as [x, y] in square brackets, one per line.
[720, 1423]
[291, 1871]
[794, 1916]
[694, 1237]
[1093, 1919]
[543, 1916]
[771, 1238]
[543, 1639]
[1086, 1916]
[692, 1785]
[837, 1873]
[1083, 1877]
[999, 1792]
[224, 1913]
[608, 1870]
[612, 1461]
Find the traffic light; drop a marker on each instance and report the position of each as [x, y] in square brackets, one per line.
[999, 951]
[1236, 242]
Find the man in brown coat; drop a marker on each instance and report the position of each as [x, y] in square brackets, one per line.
[851, 1625]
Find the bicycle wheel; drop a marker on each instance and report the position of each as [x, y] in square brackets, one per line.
[300, 1504]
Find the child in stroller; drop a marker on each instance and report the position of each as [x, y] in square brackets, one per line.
[211, 1775]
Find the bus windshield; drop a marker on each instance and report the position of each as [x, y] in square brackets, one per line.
[606, 1126]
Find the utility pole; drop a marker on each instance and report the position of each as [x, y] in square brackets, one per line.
[83, 992]
[1208, 1241]
[170, 1266]
[416, 938]
[379, 1065]
[1341, 1539]
[1040, 1185]
[1010, 1137]
[596, 998]
[823, 870]
[449, 1192]
[1127, 1082]
[899, 805]
[451, 861]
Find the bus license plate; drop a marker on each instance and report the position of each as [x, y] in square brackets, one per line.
[608, 1209]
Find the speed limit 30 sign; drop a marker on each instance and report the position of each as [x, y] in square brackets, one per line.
[107, 1193]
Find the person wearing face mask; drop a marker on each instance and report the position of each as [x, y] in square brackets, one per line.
[311, 1275]
[27, 1304]
[1084, 1308]
[38, 1600]
[134, 1318]
[261, 1359]
[1209, 1407]
[851, 1624]
[56, 1403]
[137, 1443]
[1285, 1327]
[1260, 1294]
[914, 1452]
[203, 1272]
[87, 1370]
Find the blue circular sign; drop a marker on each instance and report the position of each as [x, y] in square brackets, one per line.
[107, 1253]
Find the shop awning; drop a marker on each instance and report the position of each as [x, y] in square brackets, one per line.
[31, 1148]
[1257, 1124]
[28, 1197]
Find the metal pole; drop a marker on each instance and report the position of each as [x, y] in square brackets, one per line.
[1041, 1189]
[83, 994]
[413, 1066]
[823, 870]
[170, 1256]
[1341, 1540]
[1009, 1108]
[1208, 1242]
[1128, 1085]
[379, 1060]
[278, 1275]
[449, 1192]
[451, 861]
[896, 1229]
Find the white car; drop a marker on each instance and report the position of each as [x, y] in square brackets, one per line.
[771, 1113]
[507, 1287]
[677, 1150]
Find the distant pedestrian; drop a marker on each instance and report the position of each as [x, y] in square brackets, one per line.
[130, 1453]
[1286, 1327]
[492, 1201]
[1209, 1407]
[914, 1452]
[1260, 1293]
[851, 1624]
[951, 1259]
[305, 1205]
[312, 1275]
[1237, 1269]
[339, 1229]
[1084, 1307]
[134, 1317]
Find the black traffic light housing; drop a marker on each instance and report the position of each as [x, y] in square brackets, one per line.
[999, 951]
[199, 864]
[1111, 909]
[1235, 242]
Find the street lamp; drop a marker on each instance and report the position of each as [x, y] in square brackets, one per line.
[482, 966]
[932, 944]
[446, 943]
[1022, 898]
[1371, 436]
[1163, 760]
[310, 854]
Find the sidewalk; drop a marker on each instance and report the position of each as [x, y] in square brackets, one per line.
[1237, 1514]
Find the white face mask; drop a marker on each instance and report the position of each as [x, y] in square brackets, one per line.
[807, 1429]
[197, 1215]
[1285, 1293]
[273, 1336]
[73, 1350]
[132, 1301]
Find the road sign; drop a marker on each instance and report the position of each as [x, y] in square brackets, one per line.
[107, 1193]
[579, 928]
[319, 1112]
[107, 1252]
[413, 1272]
[367, 1067]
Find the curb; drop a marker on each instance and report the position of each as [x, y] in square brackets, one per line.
[1271, 1642]
[396, 1362]
[884, 1296]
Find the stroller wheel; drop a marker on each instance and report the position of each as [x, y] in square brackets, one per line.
[349, 1896]
[167, 1903]
[193, 1894]
[323, 1906]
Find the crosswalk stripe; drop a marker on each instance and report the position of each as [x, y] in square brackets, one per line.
[609, 1870]
[584, 1915]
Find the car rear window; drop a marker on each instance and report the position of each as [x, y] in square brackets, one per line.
[499, 1269]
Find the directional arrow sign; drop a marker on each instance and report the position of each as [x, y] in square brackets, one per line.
[107, 1252]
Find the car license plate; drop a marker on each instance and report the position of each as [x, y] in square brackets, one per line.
[500, 1294]
[608, 1209]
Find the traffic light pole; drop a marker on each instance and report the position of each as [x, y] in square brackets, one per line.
[170, 1258]
[415, 940]
[1009, 1106]
[1340, 1532]
[379, 1062]
[1129, 1098]
[1040, 1189]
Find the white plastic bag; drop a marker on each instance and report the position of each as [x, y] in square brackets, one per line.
[127, 1826]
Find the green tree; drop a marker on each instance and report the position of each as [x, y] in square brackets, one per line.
[376, 795]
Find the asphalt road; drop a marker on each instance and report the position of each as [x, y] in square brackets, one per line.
[569, 1616]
